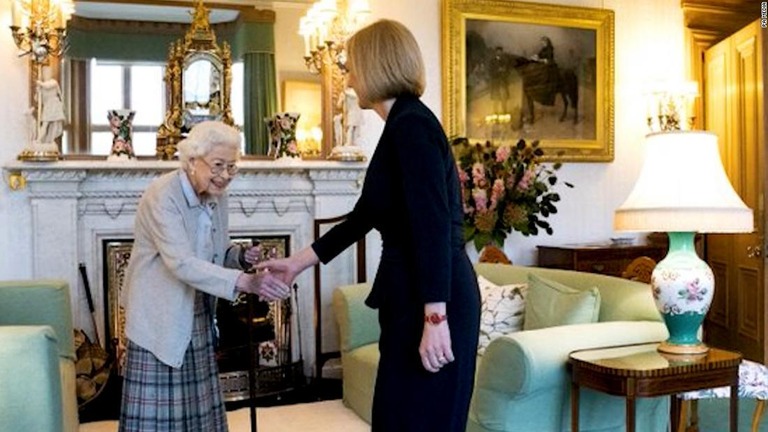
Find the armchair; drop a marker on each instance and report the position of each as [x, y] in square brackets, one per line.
[37, 357]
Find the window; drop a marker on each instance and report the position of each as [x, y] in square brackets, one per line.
[138, 87]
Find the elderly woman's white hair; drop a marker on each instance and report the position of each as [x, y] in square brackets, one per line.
[206, 136]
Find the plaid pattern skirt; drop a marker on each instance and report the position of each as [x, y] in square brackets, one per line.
[157, 397]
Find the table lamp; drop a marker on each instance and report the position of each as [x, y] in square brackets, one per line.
[683, 189]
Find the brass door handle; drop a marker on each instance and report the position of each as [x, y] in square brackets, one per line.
[754, 252]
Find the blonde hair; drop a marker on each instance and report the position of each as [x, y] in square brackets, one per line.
[204, 137]
[386, 61]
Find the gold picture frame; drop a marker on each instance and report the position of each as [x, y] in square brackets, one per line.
[491, 66]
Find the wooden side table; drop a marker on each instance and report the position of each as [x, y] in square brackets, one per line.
[634, 371]
[605, 259]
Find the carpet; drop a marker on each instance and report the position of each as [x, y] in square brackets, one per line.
[713, 415]
[325, 416]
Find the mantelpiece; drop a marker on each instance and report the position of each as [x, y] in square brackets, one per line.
[76, 205]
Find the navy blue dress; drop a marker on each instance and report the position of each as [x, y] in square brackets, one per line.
[411, 195]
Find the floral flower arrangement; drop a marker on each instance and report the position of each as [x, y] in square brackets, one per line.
[505, 188]
[282, 135]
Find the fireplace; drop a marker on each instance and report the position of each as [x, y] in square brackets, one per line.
[268, 339]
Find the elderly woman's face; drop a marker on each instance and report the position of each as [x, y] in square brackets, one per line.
[212, 173]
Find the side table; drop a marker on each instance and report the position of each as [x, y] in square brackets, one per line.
[606, 259]
[635, 371]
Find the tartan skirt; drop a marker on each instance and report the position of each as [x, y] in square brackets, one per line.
[158, 397]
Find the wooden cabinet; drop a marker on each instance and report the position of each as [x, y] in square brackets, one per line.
[605, 259]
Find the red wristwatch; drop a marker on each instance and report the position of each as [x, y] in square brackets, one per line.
[435, 318]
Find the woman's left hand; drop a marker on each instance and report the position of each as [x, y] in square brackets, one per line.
[435, 348]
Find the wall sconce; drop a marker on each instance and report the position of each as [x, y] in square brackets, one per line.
[39, 30]
[670, 106]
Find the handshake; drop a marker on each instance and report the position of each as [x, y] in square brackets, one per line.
[260, 279]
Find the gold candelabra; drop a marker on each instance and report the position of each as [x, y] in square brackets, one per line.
[39, 27]
[325, 28]
[39, 31]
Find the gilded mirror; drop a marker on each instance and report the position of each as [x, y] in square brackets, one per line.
[198, 79]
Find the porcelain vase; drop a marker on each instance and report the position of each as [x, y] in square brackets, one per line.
[282, 135]
[683, 287]
[121, 125]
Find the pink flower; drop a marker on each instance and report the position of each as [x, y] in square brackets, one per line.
[497, 191]
[502, 153]
[525, 183]
[481, 199]
[292, 147]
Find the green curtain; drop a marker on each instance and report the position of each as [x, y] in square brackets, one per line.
[254, 42]
[84, 44]
[259, 98]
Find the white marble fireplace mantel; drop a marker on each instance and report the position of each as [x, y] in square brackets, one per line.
[76, 205]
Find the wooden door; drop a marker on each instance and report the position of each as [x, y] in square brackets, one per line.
[733, 109]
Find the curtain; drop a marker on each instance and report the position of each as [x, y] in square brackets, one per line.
[260, 99]
[254, 42]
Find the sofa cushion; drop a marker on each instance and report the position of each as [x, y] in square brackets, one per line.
[551, 303]
[502, 310]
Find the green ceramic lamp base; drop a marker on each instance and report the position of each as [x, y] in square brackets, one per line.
[683, 288]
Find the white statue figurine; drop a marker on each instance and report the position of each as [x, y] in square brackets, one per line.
[338, 133]
[354, 117]
[51, 116]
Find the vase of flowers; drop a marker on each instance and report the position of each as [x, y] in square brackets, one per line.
[505, 188]
[282, 135]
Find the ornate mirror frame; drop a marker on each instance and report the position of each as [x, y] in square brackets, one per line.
[199, 43]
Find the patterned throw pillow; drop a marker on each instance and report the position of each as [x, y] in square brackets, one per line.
[502, 311]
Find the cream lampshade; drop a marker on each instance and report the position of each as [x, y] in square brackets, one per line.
[683, 189]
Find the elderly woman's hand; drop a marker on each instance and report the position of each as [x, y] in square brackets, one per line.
[252, 255]
[265, 285]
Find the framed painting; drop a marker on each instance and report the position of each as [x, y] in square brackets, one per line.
[542, 72]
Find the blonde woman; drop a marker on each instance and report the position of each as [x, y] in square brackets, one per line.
[178, 268]
[426, 288]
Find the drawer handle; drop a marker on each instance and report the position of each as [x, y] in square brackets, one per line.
[598, 267]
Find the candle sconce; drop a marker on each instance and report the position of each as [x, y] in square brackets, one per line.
[670, 107]
[39, 31]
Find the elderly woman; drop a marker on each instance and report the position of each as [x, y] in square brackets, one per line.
[181, 262]
[425, 288]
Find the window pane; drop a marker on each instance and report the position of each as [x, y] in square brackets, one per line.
[147, 95]
[144, 143]
[106, 89]
[236, 92]
[101, 143]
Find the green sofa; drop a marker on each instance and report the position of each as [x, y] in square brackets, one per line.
[37, 357]
[522, 382]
